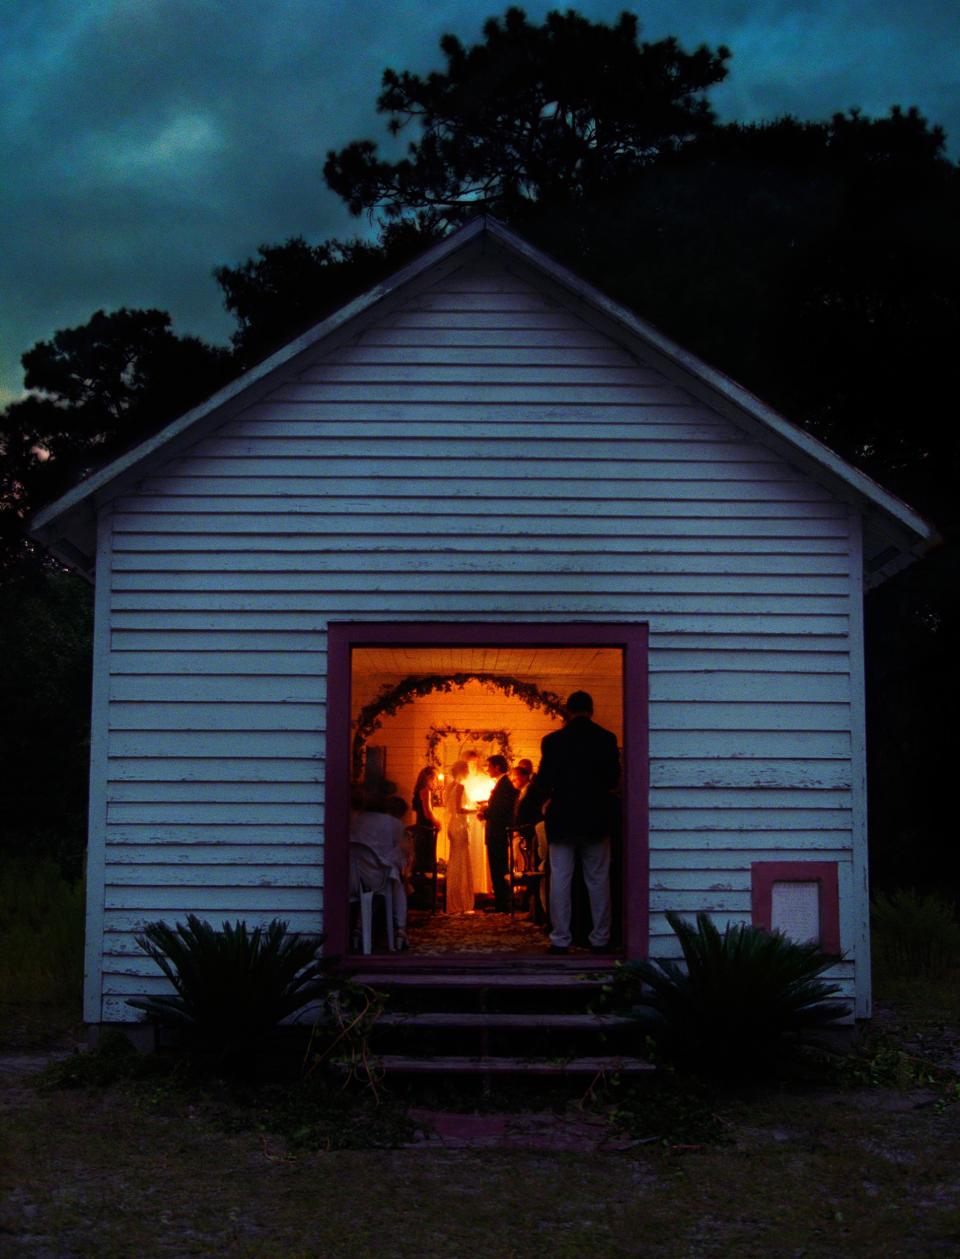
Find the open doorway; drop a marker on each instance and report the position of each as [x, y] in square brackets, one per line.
[403, 697]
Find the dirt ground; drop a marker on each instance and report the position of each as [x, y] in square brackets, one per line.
[869, 1167]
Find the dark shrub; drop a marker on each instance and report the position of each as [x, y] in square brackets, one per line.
[914, 936]
[739, 993]
[233, 987]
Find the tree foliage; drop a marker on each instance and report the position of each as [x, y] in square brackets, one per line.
[816, 262]
[286, 288]
[533, 115]
[93, 391]
[45, 645]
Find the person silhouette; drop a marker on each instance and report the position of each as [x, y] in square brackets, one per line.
[426, 823]
[579, 771]
[497, 816]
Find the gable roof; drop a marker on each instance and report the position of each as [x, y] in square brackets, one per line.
[894, 534]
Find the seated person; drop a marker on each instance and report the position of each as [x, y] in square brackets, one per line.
[384, 833]
[396, 806]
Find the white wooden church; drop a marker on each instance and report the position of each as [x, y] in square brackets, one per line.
[480, 485]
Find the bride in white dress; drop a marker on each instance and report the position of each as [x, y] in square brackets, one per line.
[460, 893]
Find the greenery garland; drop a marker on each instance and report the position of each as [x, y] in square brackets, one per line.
[392, 698]
[438, 733]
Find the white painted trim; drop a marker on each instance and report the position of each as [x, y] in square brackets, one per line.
[99, 760]
[860, 880]
[259, 375]
[52, 523]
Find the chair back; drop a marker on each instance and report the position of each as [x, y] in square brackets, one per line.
[367, 872]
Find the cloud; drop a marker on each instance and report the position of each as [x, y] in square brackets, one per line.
[177, 148]
[144, 142]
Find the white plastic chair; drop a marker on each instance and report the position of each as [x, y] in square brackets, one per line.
[370, 877]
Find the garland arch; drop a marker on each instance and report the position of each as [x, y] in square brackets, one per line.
[392, 698]
[436, 734]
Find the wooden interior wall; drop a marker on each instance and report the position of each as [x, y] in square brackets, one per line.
[475, 709]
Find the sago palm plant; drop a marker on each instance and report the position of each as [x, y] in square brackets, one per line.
[736, 997]
[232, 986]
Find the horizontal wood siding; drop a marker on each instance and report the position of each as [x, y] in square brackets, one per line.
[482, 453]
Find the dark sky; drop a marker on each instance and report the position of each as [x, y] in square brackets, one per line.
[145, 142]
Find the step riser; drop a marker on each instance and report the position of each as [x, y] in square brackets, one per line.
[517, 1042]
[590, 1067]
[519, 994]
[499, 1023]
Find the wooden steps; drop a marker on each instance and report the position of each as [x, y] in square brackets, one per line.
[501, 1022]
[475, 979]
[486, 1019]
[397, 1064]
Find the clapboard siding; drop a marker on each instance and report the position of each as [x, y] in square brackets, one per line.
[224, 717]
[143, 653]
[248, 833]
[378, 601]
[328, 422]
[183, 570]
[184, 620]
[156, 551]
[668, 865]
[283, 441]
[225, 853]
[133, 749]
[304, 493]
[177, 790]
[178, 589]
[481, 453]
[144, 766]
[319, 518]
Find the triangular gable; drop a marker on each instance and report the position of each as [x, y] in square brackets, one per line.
[894, 533]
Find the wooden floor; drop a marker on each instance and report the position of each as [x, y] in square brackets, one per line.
[477, 943]
[431, 934]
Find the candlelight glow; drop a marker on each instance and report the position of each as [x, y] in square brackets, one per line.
[478, 787]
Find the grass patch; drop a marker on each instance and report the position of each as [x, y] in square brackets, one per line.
[669, 1110]
[181, 1168]
[41, 952]
[114, 1153]
[853, 1154]
[915, 937]
[319, 1114]
[926, 1002]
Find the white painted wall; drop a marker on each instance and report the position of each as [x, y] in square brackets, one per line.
[483, 454]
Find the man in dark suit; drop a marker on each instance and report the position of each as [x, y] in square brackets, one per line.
[497, 817]
[579, 771]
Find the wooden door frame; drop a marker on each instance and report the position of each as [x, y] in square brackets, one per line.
[630, 638]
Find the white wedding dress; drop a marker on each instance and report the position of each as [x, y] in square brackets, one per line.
[460, 890]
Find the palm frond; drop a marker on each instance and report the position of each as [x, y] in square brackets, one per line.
[736, 996]
[232, 986]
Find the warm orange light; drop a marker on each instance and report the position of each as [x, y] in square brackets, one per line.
[478, 787]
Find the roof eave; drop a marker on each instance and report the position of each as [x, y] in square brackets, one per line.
[913, 534]
[732, 399]
[101, 485]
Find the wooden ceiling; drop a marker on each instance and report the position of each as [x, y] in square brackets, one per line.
[560, 669]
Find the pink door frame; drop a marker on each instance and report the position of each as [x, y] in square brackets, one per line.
[630, 638]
